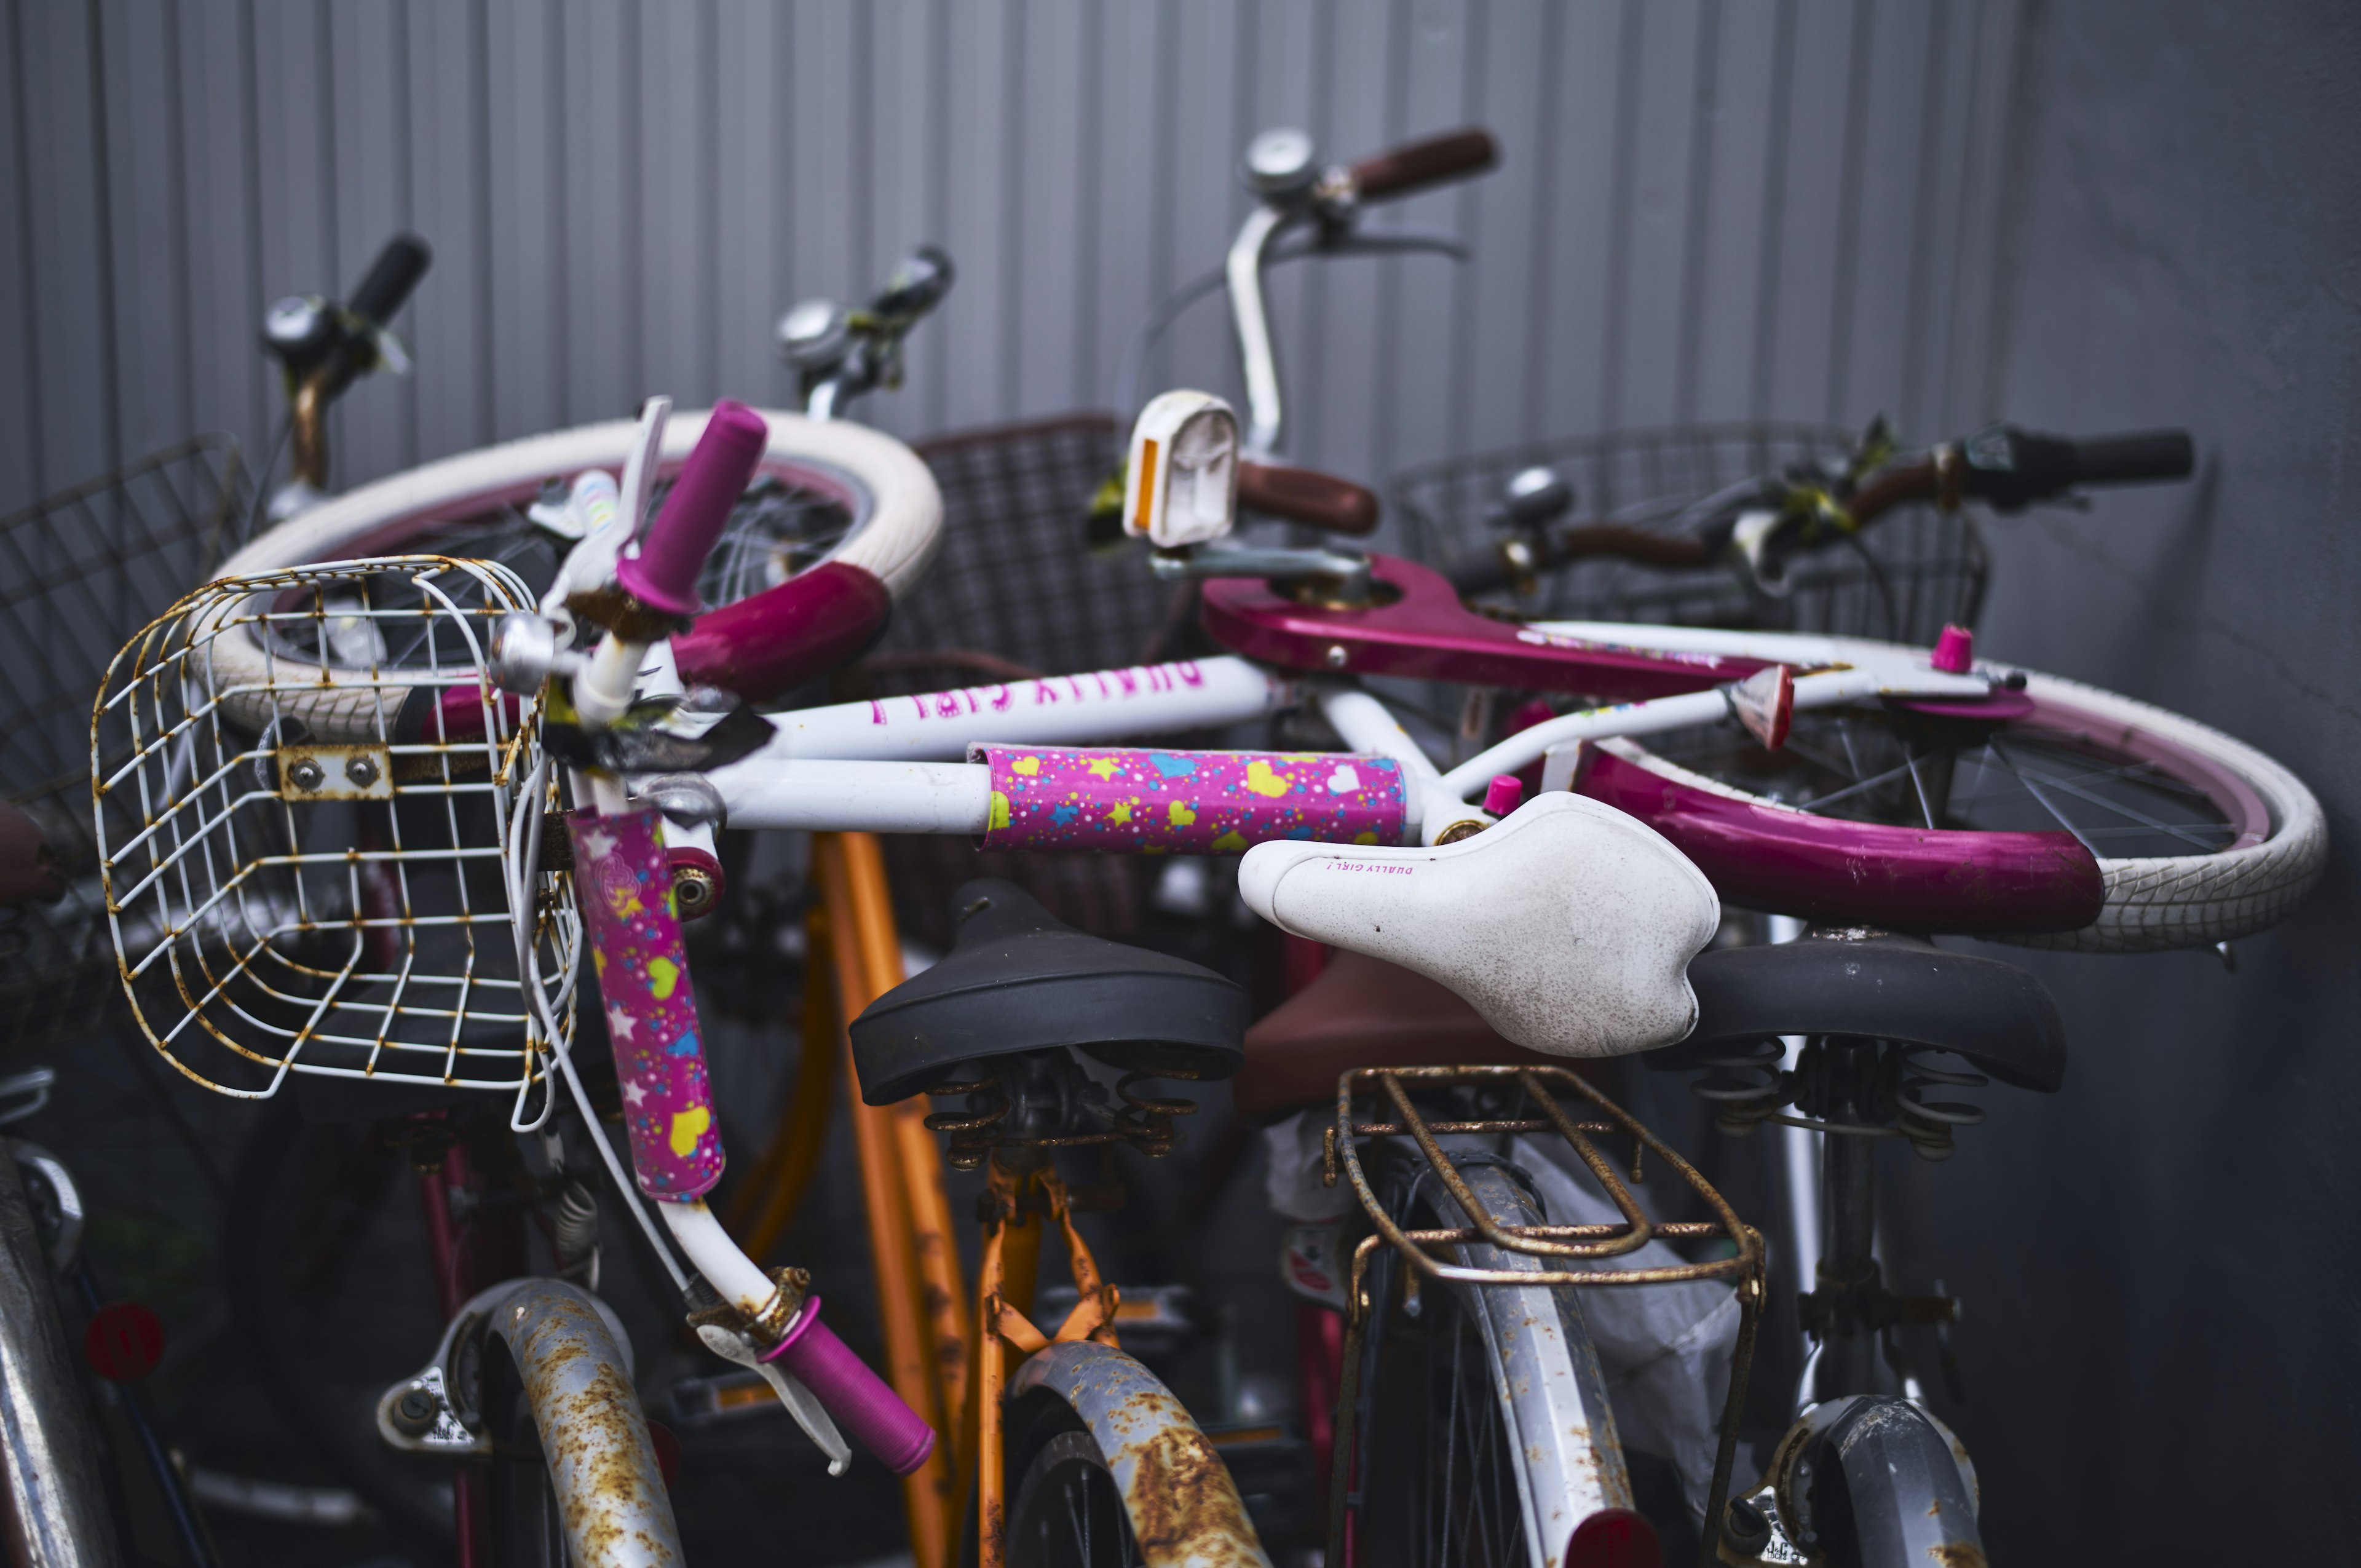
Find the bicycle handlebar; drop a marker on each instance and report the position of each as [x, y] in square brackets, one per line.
[2011, 469]
[664, 573]
[390, 280]
[2006, 468]
[1307, 496]
[1433, 160]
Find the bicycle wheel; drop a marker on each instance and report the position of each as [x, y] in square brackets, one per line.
[840, 520]
[320, 1254]
[1109, 1471]
[1484, 1433]
[2196, 838]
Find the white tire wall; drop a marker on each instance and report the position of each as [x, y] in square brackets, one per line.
[893, 542]
[2159, 904]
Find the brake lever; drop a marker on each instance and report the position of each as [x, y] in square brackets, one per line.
[810, 1413]
[1324, 241]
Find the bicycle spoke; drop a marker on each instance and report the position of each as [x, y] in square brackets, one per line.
[1887, 776]
[1920, 786]
[2047, 804]
[2105, 805]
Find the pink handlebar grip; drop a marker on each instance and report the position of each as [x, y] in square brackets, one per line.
[622, 881]
[854, 1394]
[1186, 802]
[664, 573]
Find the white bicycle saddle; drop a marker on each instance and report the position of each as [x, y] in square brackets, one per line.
[1568, 925]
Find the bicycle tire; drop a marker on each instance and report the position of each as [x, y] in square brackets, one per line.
[2149, 903]
[895, 535]
[1542, 1448]
[1089, 1423]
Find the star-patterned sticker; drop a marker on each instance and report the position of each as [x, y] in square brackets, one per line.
[597, 843]
[620, 1025]
[634, 1093]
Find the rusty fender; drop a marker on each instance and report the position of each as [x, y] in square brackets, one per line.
[610, 1495]
[1184, 1509]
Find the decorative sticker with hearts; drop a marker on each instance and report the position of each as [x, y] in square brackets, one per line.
[1189, 803]
[625, 882]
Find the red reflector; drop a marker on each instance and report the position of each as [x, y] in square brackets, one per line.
[124, 1342]
[1614, 1537]
[667, 1448]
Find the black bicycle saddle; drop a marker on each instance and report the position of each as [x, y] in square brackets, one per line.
[1018, 978]
[1882, 986]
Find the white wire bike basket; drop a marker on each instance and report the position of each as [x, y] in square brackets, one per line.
[319, 822]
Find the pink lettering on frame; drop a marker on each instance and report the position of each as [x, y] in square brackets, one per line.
[876, 711]
[1000, 699]
[1191, 674]
[1129, 680]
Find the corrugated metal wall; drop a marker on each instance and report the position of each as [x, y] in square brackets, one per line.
[1707, 210]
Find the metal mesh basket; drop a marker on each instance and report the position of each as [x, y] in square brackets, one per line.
[1015, 593]
[318, 824]
[80, 571]
[1904, 579]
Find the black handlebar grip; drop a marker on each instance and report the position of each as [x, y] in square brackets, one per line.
[392, 277]
[2145, 456]
[1308, 497]
[1413, 166]
[2012, 468]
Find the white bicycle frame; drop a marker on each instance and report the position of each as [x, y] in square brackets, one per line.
[897, 764]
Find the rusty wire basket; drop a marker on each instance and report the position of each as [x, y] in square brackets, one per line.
[1903, 579]
[318, 829]
[1524, 1101]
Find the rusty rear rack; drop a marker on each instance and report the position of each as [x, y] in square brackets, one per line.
[1582, 1254]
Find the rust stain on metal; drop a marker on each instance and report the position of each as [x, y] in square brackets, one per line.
[1958, 1554]
[1184, 1507]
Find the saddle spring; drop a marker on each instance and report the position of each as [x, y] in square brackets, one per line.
[1747, 1086]
[997, 1118]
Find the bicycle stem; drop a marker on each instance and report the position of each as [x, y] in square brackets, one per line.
[1258, 355]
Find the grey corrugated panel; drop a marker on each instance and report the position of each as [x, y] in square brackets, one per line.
[63, 224]
[1656, 248]
[1415, 318]
[1738, 177]
[1934, 258]
[1803, 312]
[447, 143]
[1571, 269]
[1897, 179]
[22, 472]
[376, 423]
[1973, 349]
[150, 224]
[678, 228]
[623, 197]
[745, 193]
[527, 249]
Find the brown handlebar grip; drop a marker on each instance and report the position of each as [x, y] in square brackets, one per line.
[1677, 550]
[1307, 496]
[1413, 166]
[1891, 488]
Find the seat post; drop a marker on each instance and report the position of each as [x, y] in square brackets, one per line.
[1848, 1267]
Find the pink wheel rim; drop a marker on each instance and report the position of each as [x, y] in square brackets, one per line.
[1767, 856]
